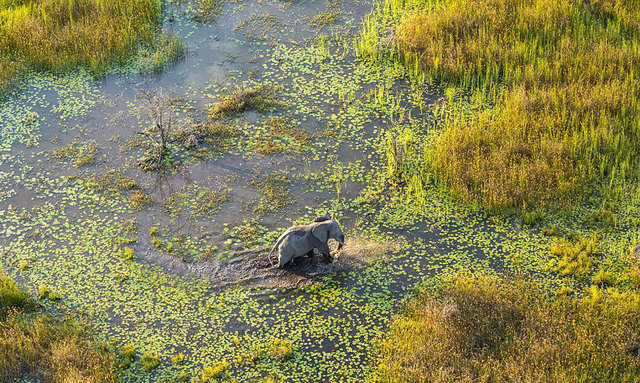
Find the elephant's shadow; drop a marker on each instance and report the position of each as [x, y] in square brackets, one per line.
[305, 263]
[307, 266]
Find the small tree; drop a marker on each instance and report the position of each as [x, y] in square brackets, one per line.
[160, 108]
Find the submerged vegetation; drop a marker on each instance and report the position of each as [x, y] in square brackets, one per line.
[482, 328]
[542, 95]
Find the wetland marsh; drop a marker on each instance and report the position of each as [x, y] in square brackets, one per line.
[141, 199]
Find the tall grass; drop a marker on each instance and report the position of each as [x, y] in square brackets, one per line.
[50, 350]
[59, 34]
[487, 329]
[552, 86]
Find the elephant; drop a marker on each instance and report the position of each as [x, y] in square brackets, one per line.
[300, 240]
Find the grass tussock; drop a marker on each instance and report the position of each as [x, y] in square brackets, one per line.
[486, 329]
[259, 98]
[551, 87]
[577, 257]
[37, 345]
[60, 34]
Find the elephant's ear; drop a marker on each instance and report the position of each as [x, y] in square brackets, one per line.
[321, 232]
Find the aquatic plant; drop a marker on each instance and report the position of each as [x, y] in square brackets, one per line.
[214, 372]
[127, 253]
[12, 297]
[140, 200]
[275, 188]
[207, 10]
[78, 154]
[321, 19]
[259, 98]
[127, 354]
[149, 361]
[281, 349]
[574, 257]
[177, 359]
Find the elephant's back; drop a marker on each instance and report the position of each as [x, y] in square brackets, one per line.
[297, 228]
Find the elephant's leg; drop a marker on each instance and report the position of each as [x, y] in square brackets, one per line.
[323, 248]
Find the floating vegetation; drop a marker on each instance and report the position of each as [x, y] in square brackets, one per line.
[321, 19]
[215, 372]
[275, 187]
[258, 27]
[195, 201]
[215, 134]
[281, 349]
[149, 361]
[78, 154]
[207, 10]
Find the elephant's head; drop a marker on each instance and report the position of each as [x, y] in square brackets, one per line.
[328, 229]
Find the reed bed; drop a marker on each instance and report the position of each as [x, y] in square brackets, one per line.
[551, 92]
[60, 34]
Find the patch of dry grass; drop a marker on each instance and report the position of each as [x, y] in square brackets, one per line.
[37, 345]
[487, 329]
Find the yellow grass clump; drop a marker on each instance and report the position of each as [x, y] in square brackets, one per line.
[38, 346]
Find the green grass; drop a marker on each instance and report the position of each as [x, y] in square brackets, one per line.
[542, 95]
[36, 345]
[12, 298]
[488, 329]
[61, 34]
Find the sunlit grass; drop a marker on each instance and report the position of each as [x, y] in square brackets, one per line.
[550, 92]
[36, 345]
[490, 329]
[60, 34]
